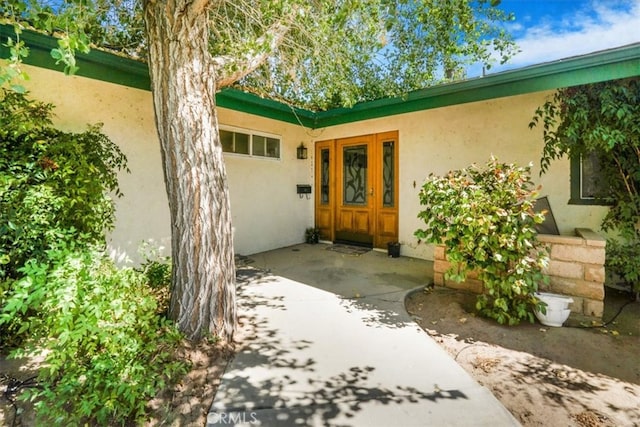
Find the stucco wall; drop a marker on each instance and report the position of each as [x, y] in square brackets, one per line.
[439, 140]
[127, 114]
[266, 211]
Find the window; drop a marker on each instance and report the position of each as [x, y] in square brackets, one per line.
[588, 186]
[265, 146]
[249, 143]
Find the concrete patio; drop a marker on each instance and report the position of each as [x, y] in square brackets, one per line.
[327, 341]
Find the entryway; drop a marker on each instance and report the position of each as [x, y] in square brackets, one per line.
[357, 182]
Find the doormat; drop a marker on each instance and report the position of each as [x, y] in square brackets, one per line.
[348, 249]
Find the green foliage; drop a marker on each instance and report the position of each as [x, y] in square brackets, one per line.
[156, 270]
[157, 273]
[12, 74]
[72, 16]
[313, 54]
[53, 184]
[486, 221]
[602, 118]
[375, 48]
[623, 258]
[106, 349]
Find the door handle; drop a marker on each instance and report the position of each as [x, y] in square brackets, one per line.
[371, 191]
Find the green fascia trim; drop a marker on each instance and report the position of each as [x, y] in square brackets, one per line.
[96, 65]
[252, 104]
[599, 66]
[127, 72]
[596, 67]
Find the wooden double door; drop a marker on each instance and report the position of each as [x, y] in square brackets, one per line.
[357, 189]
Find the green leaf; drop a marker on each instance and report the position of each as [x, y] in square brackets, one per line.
[57, 54]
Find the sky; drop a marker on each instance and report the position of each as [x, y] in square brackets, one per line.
[548, 30]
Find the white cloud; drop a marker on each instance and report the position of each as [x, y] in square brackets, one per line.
[600, 26]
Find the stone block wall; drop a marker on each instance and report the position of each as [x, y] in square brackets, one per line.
[576, 269]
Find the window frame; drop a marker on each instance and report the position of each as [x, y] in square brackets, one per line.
[576, 186]
[251, 133]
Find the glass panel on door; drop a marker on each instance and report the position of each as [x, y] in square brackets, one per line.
[355, 175]
[388, 174]
[324, 176]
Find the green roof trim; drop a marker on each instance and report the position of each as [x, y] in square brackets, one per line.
[249, 103]
[96, 64]
[596, 67]
[112, 68]
[611, 64]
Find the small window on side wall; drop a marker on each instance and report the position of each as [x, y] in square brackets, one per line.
[588, 185]
[246, 142]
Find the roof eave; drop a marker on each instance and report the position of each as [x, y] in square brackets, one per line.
[120, 70]
[606, 65]
[620, 62]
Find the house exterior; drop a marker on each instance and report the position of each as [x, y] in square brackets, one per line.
[365, 165]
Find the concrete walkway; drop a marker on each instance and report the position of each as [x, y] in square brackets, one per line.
[327, 342]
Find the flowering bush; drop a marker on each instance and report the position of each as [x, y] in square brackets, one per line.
[486, 221]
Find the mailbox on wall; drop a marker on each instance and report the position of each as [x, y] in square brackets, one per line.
[303, 189]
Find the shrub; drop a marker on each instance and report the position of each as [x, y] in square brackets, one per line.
[156, 270]
[155, 267]
[486, 221]
[53, 184]
[106, 349]
[603, 118]
[623, 259]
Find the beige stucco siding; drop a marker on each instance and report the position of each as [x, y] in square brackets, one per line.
[142, 214]
[439, 140]
[266, 211]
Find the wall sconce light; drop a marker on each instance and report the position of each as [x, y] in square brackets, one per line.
[301, 151]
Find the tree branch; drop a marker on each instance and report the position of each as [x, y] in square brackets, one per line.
[273, 37]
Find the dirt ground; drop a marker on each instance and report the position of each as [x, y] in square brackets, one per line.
[570, 376]
[545, 376]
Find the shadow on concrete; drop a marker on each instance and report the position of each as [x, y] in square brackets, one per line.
[375, 316]
[297, 367]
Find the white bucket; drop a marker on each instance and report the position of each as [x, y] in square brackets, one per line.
[557, 309]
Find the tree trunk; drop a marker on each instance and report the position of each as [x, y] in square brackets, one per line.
[183, 87]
